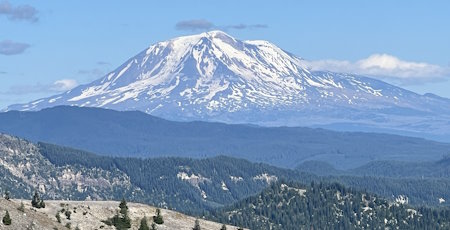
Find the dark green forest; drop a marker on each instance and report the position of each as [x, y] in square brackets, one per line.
[327, 206]
[136, 134]
[159, 177]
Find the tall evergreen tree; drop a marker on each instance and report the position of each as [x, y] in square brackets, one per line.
[36, 200]
[123, 207]
[121, 220]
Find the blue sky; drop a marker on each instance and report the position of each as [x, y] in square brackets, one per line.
[50, 46]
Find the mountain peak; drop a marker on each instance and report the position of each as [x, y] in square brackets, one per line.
[216, 33]
[197, 38]
[213, 76]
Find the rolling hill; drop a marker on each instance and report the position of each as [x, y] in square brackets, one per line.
[136, 134]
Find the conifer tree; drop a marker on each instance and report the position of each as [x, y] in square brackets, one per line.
[224, 227]
[121, 220]
[35, 202]
[6, 219]
[123, 207]
[158, 218]
[21, 207]
[197, 225]
[144, 224]
[58, 217]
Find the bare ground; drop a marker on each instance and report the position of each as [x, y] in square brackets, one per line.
[88, 215]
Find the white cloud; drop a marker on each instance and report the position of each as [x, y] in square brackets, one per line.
[204, 25]
[386, 67]
[64, 85]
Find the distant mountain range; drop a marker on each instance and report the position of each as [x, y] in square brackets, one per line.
[136, 134]
[214, 77]
[392, 169]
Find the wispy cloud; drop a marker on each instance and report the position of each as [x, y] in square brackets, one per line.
[245, 26]
[103, 63]
[194, 24]
[55, 87]
[19, 12]
[204, 25]
[8, 47]
[386, 67]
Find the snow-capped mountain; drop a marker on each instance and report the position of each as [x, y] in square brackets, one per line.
[213, 76]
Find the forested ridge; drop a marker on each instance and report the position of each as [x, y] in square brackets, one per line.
[211, 187]
[327, 206]
[160, 176]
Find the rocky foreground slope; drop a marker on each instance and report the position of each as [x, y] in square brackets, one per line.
[89, 215]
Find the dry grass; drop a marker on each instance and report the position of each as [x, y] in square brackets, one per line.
[88, 215]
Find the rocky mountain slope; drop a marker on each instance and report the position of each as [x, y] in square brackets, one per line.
[26, 170]
[215, 77]
[88, 215]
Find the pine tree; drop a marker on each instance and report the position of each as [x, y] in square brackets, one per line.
[58, 217]
[21, 207]
[68, 213]
[123, 207]
[42, 204]
[121, 220]
[7, 195]
[144, 224]
[197, 225]
[36, 200]
[158, 218]
[6, 219]
[224, 227]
